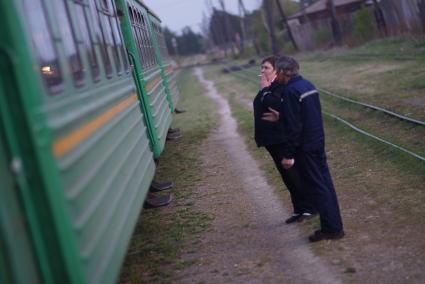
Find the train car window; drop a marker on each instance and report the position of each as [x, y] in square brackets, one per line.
[142, 40]
[105, 14]
[111, 15]
[135, 31]
[101, 39]
[131, 14]
[43, 43]
[120, 41]
[149, 54]
[68, 41]
[151, 48]
[81, 10]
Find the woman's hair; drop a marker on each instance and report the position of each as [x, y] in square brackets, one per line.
[271, 59]
[288, 65]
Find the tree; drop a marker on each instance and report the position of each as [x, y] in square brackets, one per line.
[421, 7]
[380, 20]
[268, 11]
[336, 29]
[286, 25]
[187, 43]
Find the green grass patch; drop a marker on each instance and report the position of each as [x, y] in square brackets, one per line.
[162, 233]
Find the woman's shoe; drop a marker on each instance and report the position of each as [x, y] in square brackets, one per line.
[293, 218]
[306, 216]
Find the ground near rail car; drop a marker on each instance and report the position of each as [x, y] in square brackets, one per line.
[382, 195]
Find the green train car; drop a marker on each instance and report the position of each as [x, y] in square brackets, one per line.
[87, 94]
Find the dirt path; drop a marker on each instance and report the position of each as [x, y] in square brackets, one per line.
[248, 241]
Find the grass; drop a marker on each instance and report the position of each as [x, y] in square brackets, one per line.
[391, 129]
[387, 73]
[162, 233]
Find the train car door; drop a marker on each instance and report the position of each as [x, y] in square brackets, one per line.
[18, 263]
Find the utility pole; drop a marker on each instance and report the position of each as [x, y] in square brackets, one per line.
[336, 29]
[268, 9]
[421, 7]
[253, 35]
[286, 25]
[304, 15]
[380, 20]
[227, 27]
[243, 30]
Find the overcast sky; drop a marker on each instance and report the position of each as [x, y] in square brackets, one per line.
[177, 14]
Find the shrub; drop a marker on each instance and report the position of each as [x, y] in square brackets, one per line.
[322, 36]
[363, 25]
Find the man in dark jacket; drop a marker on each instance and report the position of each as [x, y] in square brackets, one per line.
[271, 135]
[305, 145]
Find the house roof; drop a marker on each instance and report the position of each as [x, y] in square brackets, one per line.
[321, 5]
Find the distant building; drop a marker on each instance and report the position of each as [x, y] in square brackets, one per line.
[319, 10]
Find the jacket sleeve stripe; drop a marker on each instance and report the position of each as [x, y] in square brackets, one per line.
[306, 94]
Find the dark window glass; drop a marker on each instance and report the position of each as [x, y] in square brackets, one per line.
[146, 42]
[100, 38]
[81, 10]
[68, 41]
[44, 47]
[115, 38]
[120, 41]
[142, 44]
[110, 30]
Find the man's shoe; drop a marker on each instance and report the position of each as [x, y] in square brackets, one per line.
[293, 218]
[306, 216]
[173, 130]
[319, 236]
[173, 136]
[176, 110]
[155, 201]
[156, 187]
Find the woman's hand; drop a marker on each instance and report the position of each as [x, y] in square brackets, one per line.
[271, 116]
[263, 81]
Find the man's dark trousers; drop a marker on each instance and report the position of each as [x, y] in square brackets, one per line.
[291, 178]
[317, 180]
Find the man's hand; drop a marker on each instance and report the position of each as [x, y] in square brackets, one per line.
[271, 116]
[287, 163]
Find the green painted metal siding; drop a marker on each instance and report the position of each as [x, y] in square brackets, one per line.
[153, 91]
[159, 105]
[17, 261]
[172, 82]
[89, 162]
[106, 177]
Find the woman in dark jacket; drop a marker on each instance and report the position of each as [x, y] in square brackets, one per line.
[271, 135]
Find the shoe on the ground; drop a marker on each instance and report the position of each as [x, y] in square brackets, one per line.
[155, 201]
[177, 110]
[156, 187]
[173, 136]
[173, 130]
[306, 216]
[293, 218]
[319, 236]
